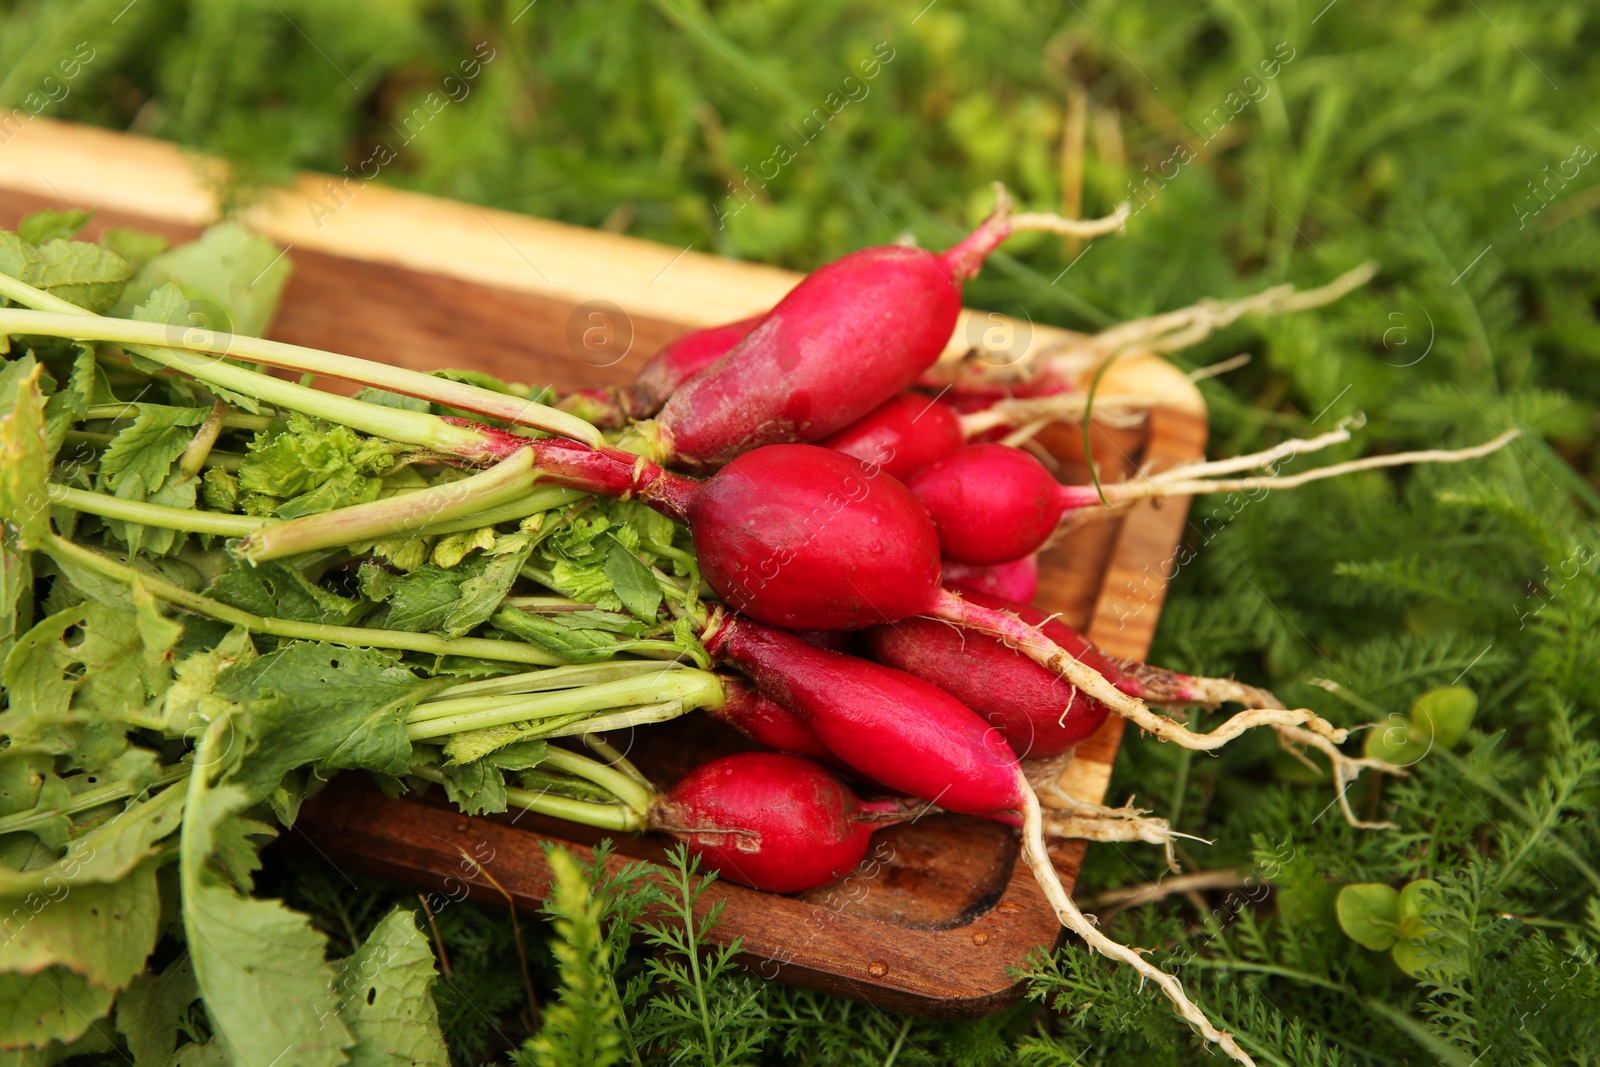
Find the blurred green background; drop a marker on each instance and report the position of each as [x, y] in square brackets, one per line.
[1455, 143]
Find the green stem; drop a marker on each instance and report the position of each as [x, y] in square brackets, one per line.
[541, 499]
[545, 605]
[61, 319]
[110, 507]
[59, 548]
[404, 513]
[601, 816]
[635, 794]
[85, 801]
[1266, 968]
[551, 678]
[232, 420]
[691, 688]
[621, 719]
[205, 439]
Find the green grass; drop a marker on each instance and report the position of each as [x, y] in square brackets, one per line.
[1428, 136]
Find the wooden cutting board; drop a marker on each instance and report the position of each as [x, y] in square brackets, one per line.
[941, 912]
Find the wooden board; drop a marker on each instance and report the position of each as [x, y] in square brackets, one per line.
[941, 912]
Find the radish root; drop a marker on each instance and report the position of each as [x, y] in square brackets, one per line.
[1038, 860]
[1346, 769]
[1182, 482]
[1018, 635]
[1088, 821]
[1025, 411]
[1170, 331]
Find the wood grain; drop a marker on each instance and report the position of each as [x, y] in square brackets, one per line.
[941, 913]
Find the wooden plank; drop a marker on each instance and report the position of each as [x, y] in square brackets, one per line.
[942, 912]
[660, 291]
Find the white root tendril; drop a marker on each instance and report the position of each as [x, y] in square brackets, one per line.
[1038, 860]
[1046, 222]
[1026, 411]
[1212, 692]
[1170, 331]
[1166, 484]
[1018, 635]
[1264, 458]
[1087, 821]
[1346, 769]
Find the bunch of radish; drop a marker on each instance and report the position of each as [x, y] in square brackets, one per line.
[836, 498]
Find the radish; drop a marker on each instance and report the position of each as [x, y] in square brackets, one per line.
[1017, 580]
[890, 726]
[614, 406]
[764, 720]
[902, 436]
[796, 536]
[913, 430]
[772, 821]
[912, 735]
[763, 819]
[1039, 713]
[992, 503]
[1036, 711]
[849, 337]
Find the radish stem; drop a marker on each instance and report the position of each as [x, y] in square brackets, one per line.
[167, 518]
[405, 513]
[687, 688]
[152, 341]
[59, 548]
[551, 678]
[62, 319]
[194, 457]
[1038, 860]
[585, 813]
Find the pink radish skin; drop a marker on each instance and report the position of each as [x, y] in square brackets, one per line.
[902, 436]
[1039, 713]
[690, 354]
[849, 337]
[806, 538]
[771, 821]
[892, 727]
[992, 503]
[613, 406]
[767, 722]
[1017, 580]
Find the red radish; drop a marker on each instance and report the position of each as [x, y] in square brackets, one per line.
[806, 538]
[772, 821]
[1017, 580]
[850, 336]
[1039, 713]
[890, 726]
[616, 405]
[902, 436]
[993, 503]
[764, 720]
[792, 535]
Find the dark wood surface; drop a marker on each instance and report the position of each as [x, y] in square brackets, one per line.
[941, 912]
